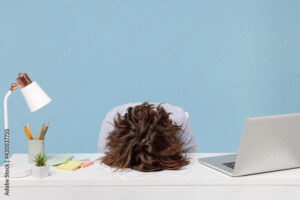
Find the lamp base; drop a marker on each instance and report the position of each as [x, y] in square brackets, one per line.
[17, 170]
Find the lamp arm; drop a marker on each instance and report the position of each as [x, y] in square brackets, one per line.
[5, 110]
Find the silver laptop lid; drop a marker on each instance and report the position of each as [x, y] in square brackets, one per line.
[268, 144]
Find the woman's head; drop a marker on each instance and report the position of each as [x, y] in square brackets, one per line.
[145, 139]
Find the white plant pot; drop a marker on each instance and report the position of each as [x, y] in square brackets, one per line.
[40, 172]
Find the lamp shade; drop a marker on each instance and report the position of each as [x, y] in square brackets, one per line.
[35, 96]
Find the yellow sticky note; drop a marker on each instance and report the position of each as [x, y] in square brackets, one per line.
[69, 166]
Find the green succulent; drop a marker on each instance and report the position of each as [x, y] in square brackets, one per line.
[40, 160]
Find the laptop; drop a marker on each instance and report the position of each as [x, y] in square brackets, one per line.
[268, 143]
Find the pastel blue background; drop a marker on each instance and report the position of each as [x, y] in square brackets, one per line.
[222, 61]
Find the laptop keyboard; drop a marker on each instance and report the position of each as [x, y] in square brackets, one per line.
[230, 165]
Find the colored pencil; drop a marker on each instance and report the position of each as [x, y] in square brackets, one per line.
[26, 133]
[42, 130]
[45, 131]
[29, 131]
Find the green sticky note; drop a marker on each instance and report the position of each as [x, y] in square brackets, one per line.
[59, 161]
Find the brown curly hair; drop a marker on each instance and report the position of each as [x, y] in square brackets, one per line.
[145, 139]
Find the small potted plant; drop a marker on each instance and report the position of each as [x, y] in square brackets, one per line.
[40, 169]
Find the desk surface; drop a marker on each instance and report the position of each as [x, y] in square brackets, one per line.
[197, 174]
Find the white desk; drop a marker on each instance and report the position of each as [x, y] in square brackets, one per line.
[200, 182]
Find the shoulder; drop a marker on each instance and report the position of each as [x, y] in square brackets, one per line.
[177, 114]
[122, 109]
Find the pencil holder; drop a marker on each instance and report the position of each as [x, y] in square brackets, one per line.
[35, 147]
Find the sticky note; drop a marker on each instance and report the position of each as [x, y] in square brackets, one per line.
[86, 163]
[59, 161]
[69, 166]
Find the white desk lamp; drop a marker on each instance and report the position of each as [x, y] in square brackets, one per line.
[35, 98]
